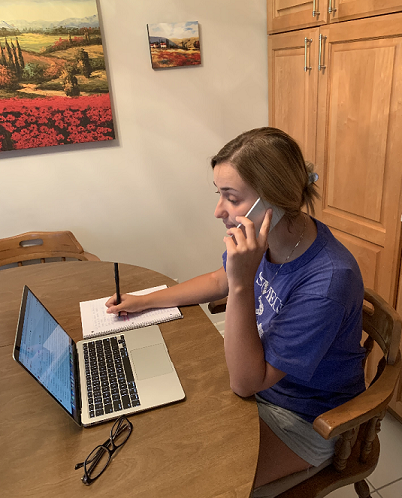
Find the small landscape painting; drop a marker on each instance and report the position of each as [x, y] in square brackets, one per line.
[174, 44]
[53, 83]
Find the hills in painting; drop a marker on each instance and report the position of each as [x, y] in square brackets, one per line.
[22, 25]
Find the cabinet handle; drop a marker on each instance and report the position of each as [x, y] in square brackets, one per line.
[315, 12]
[306, 41]
[330, 8]
[320, 66]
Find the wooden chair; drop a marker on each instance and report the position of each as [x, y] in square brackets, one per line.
[356, 422]
[217, 306]
[40, 246]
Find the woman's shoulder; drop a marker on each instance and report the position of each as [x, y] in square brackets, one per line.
[333, 249]
[326, 253]
[334, 271]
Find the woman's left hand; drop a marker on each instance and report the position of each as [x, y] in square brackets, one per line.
[245, 250]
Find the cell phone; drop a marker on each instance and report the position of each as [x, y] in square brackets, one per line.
[257, 212]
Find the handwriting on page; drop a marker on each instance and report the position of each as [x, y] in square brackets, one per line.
[101, 320]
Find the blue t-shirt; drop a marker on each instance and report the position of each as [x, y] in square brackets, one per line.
[310, 324]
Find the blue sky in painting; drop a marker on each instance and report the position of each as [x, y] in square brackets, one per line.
[174, 30]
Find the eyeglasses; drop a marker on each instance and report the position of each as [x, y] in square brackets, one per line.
[99, 458]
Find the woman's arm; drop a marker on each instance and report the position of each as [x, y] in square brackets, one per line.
[201, 289]
[249, 372]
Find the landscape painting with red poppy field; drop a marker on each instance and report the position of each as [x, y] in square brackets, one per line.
[53, 82]
[174, 44]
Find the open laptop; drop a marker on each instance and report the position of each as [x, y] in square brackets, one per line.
[135, 372]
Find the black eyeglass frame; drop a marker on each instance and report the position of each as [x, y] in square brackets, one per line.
[98, 452]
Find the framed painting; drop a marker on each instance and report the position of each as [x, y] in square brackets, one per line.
[53, 82]
[174, 44]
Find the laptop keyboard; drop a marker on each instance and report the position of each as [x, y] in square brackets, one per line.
[110, 380]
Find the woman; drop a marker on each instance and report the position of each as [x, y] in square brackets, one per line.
[293, 315]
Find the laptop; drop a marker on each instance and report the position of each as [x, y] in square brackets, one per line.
[95, 380]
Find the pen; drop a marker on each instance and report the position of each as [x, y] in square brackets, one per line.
[116, 279]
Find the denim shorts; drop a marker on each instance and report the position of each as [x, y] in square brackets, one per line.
[296, 433]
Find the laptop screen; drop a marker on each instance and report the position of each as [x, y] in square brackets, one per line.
[46, 351]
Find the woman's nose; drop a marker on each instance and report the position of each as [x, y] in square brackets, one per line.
[220, 211]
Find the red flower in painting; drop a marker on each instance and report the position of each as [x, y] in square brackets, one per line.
[26, 123]
[8, 127]
[173, 58]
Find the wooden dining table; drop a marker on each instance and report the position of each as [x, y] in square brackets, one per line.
[205, 446]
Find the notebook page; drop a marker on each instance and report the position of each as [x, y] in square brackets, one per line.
[95, 321]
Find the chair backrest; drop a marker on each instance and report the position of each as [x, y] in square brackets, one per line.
[40, 246]
[382, 324]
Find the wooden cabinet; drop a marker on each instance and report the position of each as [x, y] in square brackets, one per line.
[358, 146]
[337, 89]
[285, 15]
[343, 10]
[347, 117]
[293, 87]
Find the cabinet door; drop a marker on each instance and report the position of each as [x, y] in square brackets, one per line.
[342, 10]
[359, 144]
[284, 15]
[293, 87]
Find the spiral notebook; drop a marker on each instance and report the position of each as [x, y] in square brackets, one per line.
[96, 322]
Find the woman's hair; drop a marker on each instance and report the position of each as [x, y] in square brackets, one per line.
[271, 162]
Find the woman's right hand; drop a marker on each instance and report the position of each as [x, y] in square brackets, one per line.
[129, 304]
[245, 250]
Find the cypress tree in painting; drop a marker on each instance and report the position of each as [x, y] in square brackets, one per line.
[16, 63]
[3, 60]
[20, 57]
[83, 57]
[10, 62]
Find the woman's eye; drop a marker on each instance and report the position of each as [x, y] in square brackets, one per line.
[232, 201]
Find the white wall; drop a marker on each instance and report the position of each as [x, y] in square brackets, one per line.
[147, 198]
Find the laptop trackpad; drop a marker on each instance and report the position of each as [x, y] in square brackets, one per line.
[151, 361]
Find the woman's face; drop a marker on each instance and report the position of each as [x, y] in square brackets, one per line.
[235, 196]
